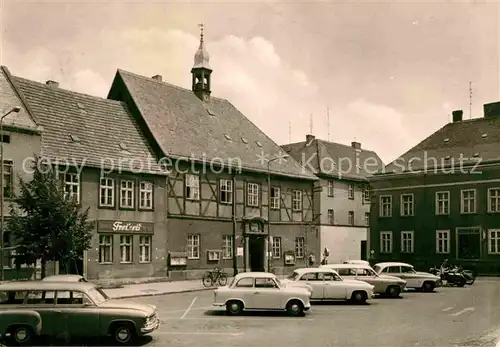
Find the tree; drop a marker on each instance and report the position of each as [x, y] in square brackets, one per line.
[45, 223]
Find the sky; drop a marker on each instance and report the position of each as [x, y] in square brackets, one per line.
[386, 74]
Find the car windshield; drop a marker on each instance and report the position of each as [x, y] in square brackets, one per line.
[293, 277]
[97, 296]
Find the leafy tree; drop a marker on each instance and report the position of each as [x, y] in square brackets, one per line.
[46, 224]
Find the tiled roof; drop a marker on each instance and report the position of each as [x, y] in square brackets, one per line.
[468, 141]
[335, 159]
[87, 130]
[186, 127]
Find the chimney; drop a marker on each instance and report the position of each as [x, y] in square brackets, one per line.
[309, 138]
[457, 116]
[157, 78]
[356, 145]
[52, 83]
[491, 109]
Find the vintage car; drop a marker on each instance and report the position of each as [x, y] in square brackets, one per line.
[64, 278]
[261, 291]
[70, 309]
[362, 262]
[417, 280]
[328, 285]
[384, 285]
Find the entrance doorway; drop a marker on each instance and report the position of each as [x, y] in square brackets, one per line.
[364, 254]
[256, 250]
[469, 243]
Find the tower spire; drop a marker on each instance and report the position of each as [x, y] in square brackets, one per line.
[201, 70]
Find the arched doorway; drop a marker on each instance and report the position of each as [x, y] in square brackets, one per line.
[256, 238]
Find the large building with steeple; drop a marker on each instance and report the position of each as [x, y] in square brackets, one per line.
[234, 200]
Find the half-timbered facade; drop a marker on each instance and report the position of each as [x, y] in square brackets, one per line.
[219, 165]
[106, 164]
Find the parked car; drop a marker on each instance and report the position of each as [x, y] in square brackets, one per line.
[414, 279]
[70, 309]
[362, 262]
[328, 285]
[261, 291]
[65, 278]
[383, 284]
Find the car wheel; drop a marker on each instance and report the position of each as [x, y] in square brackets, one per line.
[22, 335]
[295, 308]
[359, 297]
[123, 334]
[234, 307]
[393, 291]
[428, 287]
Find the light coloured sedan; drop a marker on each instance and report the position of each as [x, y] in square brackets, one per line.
[262, 291]
[64, 278]
[414, 279]
[326, 284]
[384, 285]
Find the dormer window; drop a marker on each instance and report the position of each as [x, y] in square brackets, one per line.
[80, 106]
[227, 137]
[210, 112]
[258, 143]
[123, 146]
[74, 138]
[244, 140]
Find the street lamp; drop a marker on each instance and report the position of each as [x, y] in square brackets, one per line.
[15, 109]
[269, 244]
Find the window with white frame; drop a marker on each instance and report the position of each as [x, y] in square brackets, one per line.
[144, 249]
[442, 241]
[468, 201]
[330, 188]
[126, 248]
[275, 198]
[367, 218]
[227, 247]
[72, 186]
[385, 206]
[494, 241]
[350, 191]
[442, 203]
[494, 200]
[331, 217]
[8, 178]
[407, 242]
[386, 242]
[299, 247]
[192, 187]
[105, 249]
[350, 218]
[226, 191]
[145, 195]
[297, 200]
[193, 246]
[107, 192]
[366, 195]
[276, 247]
[407, 205]
[252, 194]
[127, 194]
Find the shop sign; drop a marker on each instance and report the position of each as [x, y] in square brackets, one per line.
[125, 227]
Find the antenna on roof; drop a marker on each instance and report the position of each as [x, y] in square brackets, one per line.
[289, 131]
[328, 121]
[310, 124]
[470, 100]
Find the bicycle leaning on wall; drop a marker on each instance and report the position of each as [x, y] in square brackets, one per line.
[217, 276]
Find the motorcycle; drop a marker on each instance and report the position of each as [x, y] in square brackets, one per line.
[451, 276]
[469, 275]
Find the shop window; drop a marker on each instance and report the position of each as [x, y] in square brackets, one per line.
[105, 249]
[126, 248]
[145, 249]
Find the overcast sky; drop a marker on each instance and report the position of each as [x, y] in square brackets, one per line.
[390, 73]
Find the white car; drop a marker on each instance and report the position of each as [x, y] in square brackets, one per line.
[384, 285]
[360, 262]
[418, 280]
[64, 278]
[261, 291]
[326, 284]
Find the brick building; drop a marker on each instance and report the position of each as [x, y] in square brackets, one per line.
[441, 199]
[107, 164]
[342, 194]
[217, 192]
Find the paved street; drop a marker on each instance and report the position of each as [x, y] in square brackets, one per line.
[450, 317]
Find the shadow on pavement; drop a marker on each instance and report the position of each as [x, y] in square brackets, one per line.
[221, 313]
[337, 303]
[87, 342]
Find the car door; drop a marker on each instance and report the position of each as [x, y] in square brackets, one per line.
[369, 276]
[80, 316]
[267, 294]
[311, 278]
[334, 286]
[43, 302]
[347, 273]
[408, 274]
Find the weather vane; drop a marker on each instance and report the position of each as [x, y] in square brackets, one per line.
[201, 31]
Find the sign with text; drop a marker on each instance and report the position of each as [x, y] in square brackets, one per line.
[124, 227]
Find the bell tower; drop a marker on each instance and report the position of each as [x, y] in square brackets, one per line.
[201, 71]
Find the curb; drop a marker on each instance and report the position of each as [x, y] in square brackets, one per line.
[162, 293]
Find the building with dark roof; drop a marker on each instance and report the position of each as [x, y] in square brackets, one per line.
[106, 163]
[218, 187]
[441, 199]
[342, 194]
